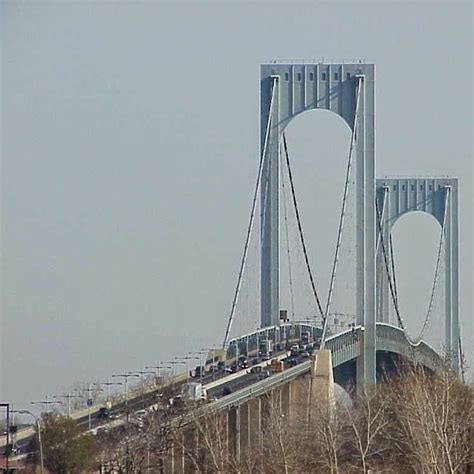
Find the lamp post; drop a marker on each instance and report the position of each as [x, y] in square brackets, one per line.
[89, 401]
[47, 402]
[213, 351]
[201, 352]
[68, 397]
[187, 359]
[108, 385]
[38, 430]
[7, 454]
[141, 373]
[126, 377]
[173, 363]
[158, 369]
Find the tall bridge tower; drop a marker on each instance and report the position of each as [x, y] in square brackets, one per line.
[347, 89]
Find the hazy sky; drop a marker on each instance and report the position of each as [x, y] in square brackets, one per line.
[129, 149]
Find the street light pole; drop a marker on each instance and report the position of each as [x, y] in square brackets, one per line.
[173, 363]
[68, 397]
[187, 359]
[38, 430]
[90, 401]
[141, 374]
[46, 402]
[201, 352]
[126, 377]
[7, 454]
[158, 369]
[108, 385]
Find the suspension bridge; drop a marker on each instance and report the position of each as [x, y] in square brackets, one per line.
[370, 208]
[359, 319]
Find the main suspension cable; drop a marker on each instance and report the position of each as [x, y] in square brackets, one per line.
[251, 220]
[461, 360]
[438, 261]
[343, 212]
[285, 216]
[300, 230]
[387, 268]
[392, 263]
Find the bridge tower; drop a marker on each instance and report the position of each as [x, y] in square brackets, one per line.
[287, 90]
[397, 196]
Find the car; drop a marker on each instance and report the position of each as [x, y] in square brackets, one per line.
[199, 371]
[103, 414]
[176, 401]
[256, 369]
[264, 374]
[264, 356]
[291, 361]
[221, 366]
[234, 368]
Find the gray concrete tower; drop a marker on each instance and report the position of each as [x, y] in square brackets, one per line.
[293, 88]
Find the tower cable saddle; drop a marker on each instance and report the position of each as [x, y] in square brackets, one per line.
[251, 220]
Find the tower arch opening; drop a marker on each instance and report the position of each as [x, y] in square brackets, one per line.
[415, 261]
[318, 145]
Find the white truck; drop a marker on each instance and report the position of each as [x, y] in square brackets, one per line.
[194, 392]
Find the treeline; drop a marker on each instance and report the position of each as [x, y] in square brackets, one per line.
[416, 422]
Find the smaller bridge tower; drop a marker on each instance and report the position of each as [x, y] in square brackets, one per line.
[439, 198]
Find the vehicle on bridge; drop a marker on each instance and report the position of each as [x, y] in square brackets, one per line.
[276, 366]
[265, 348]
[194, 392]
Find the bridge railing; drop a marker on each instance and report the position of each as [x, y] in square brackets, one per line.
[345, 345]
[394, 339]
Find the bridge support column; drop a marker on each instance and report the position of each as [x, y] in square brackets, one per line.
[178, 461]
[233, 433]
[190, 443]
[244, 421]
[255, 425]
[270, 207]
[286, 400]
[322, 389]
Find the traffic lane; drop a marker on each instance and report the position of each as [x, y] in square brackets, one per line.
[242, 382]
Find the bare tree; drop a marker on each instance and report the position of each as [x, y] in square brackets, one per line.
[433, 418]
[368, 423]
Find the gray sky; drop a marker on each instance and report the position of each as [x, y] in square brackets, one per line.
[129, 151]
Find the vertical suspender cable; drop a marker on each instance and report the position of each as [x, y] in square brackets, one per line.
[342, 216]
[300, 229]
[251, 220]
[285, 215]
